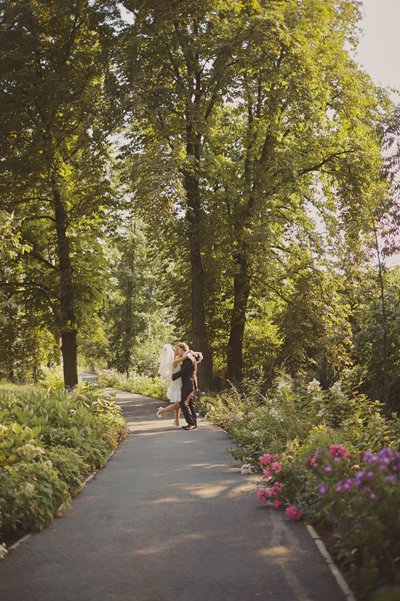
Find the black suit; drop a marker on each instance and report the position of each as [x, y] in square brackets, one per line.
[189, 379]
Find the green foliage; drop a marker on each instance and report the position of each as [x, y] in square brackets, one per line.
[49, 442]
[57, 114]
[30, 495]
[136, 383]
[70, 466]
[324, 438]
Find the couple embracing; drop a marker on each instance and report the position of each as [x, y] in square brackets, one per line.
[178, 366]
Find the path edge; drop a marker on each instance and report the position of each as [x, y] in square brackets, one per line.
[335, 571]
[26, 537]
[337, 574]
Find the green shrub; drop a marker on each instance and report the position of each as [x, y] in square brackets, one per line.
[54, 440]
[311, 444]
[70, 467]
[30, 495]
[136, 383]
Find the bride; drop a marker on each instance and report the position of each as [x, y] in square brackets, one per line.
[170, 363]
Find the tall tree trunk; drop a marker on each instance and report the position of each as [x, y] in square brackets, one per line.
[192, 188]
[69, 347]
[381, 268]
[127, 352]
[241, 287]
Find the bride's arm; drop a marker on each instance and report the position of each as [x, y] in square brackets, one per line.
[176, 361]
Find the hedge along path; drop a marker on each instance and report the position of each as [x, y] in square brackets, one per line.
[168, 519]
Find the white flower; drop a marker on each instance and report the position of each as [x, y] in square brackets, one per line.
[246, 469]
[314, 386]
[336, 387]
[29, 487]
[3, 429]
[29, 451]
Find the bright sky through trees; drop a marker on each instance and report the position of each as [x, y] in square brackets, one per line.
[379, 47]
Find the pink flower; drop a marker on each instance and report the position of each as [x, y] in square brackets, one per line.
[261, 495]
[293, 512]
[278, 487]
[265, 459]
[338, 450]
[277, 504]
[267, 474]
[275, 457]
[276, 466]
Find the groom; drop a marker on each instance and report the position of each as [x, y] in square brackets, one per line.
[188, 373]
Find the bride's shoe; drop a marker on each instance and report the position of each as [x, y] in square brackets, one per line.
[159, 414]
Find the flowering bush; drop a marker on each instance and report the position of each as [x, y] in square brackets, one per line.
[136, 383]
[361, 501]
[355, 500]
[337, 466]
[49, 442]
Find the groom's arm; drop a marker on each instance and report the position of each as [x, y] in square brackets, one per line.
[185, 369]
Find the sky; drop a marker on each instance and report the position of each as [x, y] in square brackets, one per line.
[379, 48]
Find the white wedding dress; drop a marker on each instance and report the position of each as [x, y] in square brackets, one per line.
[165, 372]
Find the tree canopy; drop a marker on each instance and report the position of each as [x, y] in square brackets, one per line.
[213, 171]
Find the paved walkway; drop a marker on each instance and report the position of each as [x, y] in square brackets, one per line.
[168, 519]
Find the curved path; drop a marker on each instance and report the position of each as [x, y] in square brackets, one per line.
[168, 519]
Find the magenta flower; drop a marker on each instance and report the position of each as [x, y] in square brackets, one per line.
[293, 512]
[338, 450]
[278, 487]
[265, 459]
[267, 474]
[276, 466]
[277, 504]
[312, 461]
[261, 495]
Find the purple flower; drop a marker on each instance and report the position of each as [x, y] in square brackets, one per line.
[363, 475]
[344, 485]
[322, 489]
[328, 469]
[369, 457]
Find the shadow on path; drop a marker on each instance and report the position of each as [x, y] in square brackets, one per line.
[168, 519]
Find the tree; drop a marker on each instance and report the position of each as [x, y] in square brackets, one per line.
[301, 113]
[57, 114]
[179, 57]
[262, 111]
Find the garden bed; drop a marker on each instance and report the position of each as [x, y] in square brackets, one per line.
[331, 458]
[50, 441]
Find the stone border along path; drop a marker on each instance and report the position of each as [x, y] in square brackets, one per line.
[168, 519]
